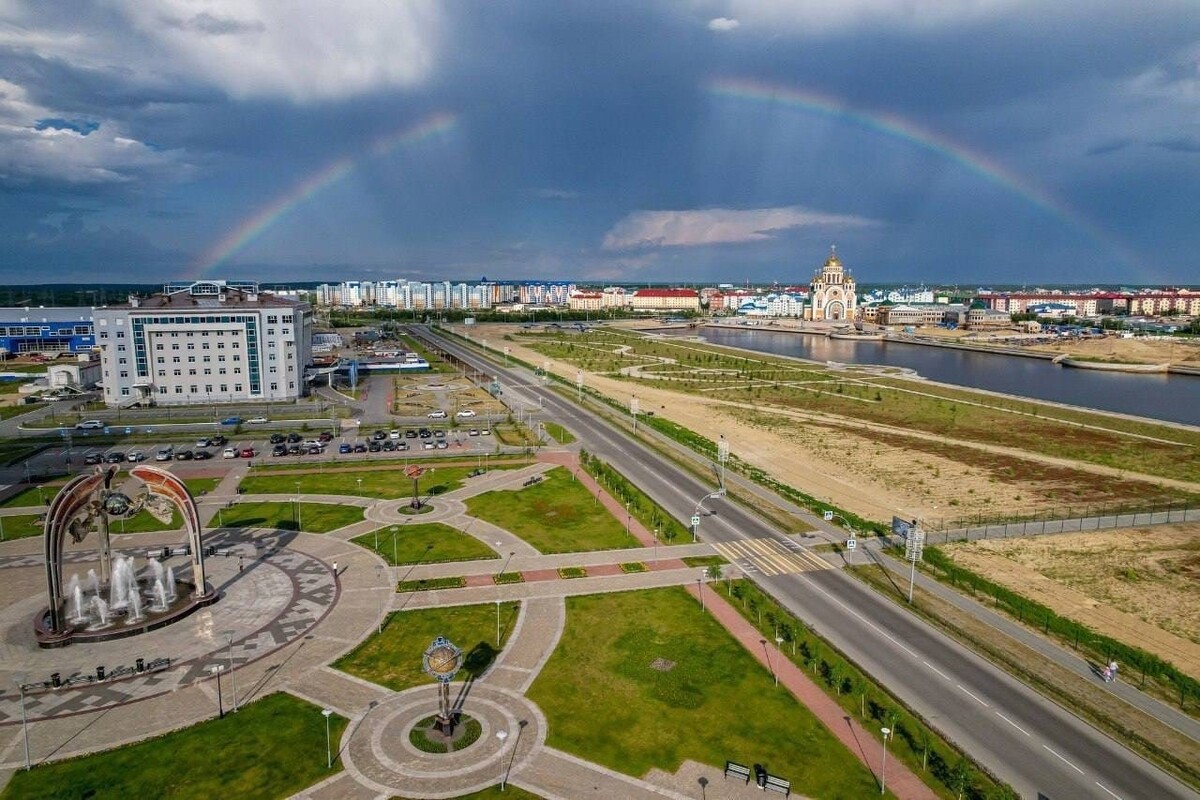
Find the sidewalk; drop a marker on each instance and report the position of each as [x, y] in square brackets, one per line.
[863, 743]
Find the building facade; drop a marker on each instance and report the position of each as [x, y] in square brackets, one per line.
[204, 342]
[665, 300]
[46, 330]
[832, 294]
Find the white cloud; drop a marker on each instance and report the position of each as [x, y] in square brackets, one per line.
[808, 16]
[717, 226]
[100, 156]
[722, 24]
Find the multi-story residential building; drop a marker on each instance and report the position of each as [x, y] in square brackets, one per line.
[1096, 303]
[666, 300]
[585, 301]
[204, 342]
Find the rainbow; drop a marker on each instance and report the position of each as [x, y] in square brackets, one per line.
[903, 129]
[264, 218]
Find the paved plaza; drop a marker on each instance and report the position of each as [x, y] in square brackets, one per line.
[283, 617]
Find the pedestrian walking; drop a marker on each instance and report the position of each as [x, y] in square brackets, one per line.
[1107, 674]
[1112, 671]
[241, 564]
[335, 572]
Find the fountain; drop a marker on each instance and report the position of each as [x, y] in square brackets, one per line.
[118, 587]
[160, 598]
[75, 591]
[156, 567]
[171, 584]
[94, 583]
[135, 607]
[101, 613]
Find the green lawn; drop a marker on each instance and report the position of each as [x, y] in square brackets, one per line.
[199, 486]
[558, 433]
[21, 526]
[270, 748]
[32, 496]
[388, 483]
[557, 515]
[393, 658]
[714, 703]
[428, 543]
[314, 517]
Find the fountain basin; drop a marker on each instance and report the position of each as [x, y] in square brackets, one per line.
[119, 626]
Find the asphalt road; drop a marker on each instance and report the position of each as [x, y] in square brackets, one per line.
[1025, 739]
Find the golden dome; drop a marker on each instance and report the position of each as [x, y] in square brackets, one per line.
[832, 261]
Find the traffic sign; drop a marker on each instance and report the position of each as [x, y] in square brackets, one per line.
[829, 516]
[696, 521]
[851, 543]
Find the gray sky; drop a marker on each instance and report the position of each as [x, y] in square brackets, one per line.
[977, 141]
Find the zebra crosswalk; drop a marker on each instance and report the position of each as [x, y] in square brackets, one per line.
[770, 556]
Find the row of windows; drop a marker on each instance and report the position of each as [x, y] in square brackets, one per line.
[192, 359]
[78, 330]
[208, 388]
[162, 373]
[192, 346]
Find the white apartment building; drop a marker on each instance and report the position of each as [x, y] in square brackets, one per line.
[204, 342]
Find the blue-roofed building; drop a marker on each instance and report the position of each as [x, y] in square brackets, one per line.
[46, 330]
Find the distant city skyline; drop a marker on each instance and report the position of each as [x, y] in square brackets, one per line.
[720, 141]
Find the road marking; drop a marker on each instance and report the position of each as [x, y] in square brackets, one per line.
[972, 695]
[1010, 722]
[935, 669]
[1060, 758]
[1105, 788]
[769, 556]
[863, 619]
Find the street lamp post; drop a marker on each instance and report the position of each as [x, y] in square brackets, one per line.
[298, 525]
[395, 552]
[359, 486]
[887, 734]
[216, 669]
[770, 667]
[502, 734]
[379, 574]
[232, 685]
[20, 679]
[327, 713]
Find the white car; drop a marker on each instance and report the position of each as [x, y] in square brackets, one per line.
[89, 425]
[165, 454]
[436, 415]
[135, 455]
[394, 435]
[230, 452]
[466, 412]
[257, 421]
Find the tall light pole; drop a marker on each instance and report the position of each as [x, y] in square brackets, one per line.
[20, 679]
[359, 486]
[379, 574]
[763, 642]
[852, 542]
[887, 734]
[395, 552]
[298, 525]
[232, 685]
[700, 590]
[722, 457]
[216, 670]
[628, 520]
[502, 734]
[327, 713]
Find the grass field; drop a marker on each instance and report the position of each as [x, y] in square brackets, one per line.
[674, 685]
[393, 658]
[557, 515]
[558, 433]
[314, 517]
[21, 526]
[271, 748]
[428, 543]
[386, 483]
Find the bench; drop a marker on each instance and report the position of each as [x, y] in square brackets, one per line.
[776, 784]
[533, 480]
[737, 770]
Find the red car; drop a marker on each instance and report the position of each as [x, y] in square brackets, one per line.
[247, 452]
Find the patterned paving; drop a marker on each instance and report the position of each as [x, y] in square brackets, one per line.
[770, 556]
[278, 598]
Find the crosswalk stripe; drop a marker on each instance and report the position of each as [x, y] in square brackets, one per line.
[770, 556]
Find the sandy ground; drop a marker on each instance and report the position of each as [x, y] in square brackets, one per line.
[1138, 585]
[1144, 350]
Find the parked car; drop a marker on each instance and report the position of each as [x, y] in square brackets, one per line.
[379, 435]
[436, 415]
[279, 450]
[425, 433]
[165, 453]
[410, 434]
[183, 455]
[374, 447]
[466, 412]
[257, 421]
[135, 455]
[276, 438]
[218, 440]
[485, 432]
[388, 445]
[93, 458]
[428, 445]
[360, 447]
[203, 441]
[393, 434]
[315, 449]
[232, 421]
[473, 432]
[439, 434]
[89, 425]
[247, 452]
[402, 446]
[345, 447]
[442, 445]
[114, 457]
[294, 438]
[201, 455]
[293, 449]
[229, 452]
[324, 437]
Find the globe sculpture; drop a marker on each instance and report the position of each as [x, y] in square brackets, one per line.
[442, 661]
[122, 596]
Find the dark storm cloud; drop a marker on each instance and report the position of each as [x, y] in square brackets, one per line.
[570, 118]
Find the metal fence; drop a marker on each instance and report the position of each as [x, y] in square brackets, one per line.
[961, 530]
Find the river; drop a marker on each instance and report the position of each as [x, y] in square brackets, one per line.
[1175, 398]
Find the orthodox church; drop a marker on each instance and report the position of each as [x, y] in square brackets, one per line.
[832, 294]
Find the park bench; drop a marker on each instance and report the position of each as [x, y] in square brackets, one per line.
[533, 480]
[737, 770]
[777, 784]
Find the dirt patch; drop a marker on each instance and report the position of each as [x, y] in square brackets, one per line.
[1142, 350]
[1137, 585]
